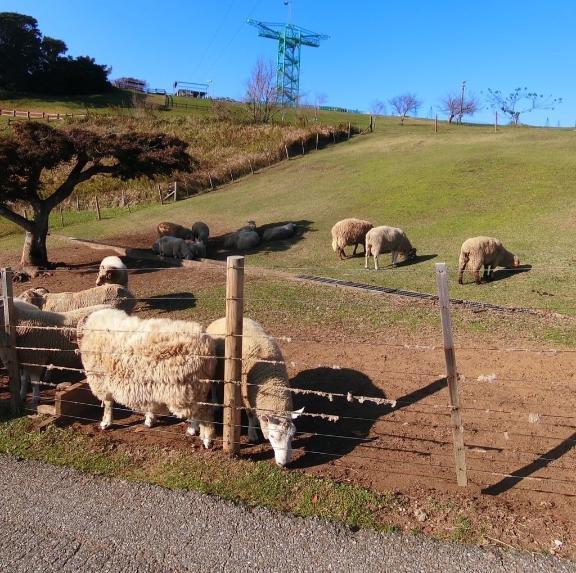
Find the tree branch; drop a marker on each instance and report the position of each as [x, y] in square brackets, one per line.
[16, 218]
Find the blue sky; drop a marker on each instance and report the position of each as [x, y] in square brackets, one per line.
[377, 49]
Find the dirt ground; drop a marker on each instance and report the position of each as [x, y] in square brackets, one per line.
[519, 425]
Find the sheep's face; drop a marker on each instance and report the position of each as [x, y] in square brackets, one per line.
[280, 433]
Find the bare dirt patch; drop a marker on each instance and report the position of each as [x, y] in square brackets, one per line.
[518, 414]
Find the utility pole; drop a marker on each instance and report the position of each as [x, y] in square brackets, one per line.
[462, 102]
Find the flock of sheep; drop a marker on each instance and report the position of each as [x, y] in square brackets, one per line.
[180, 242]
[171, 367]
[474, 253]
[154, 366]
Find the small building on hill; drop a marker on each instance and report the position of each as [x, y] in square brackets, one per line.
[130, 84]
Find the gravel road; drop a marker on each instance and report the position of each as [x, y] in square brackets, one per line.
[56, 519]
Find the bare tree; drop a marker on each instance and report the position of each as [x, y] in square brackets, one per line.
[404, 104]
[378, 107]
[520, 101]
[456, 106]
[262, 96]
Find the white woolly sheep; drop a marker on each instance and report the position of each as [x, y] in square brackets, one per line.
[166, 229]
[172, 247]
[40, 347]
[349, 232]
[153, 366]
[112, 295]
[112, 271]
[265, 386]
[200, 231]
[387, 239]
[279, 233]
[487, 251]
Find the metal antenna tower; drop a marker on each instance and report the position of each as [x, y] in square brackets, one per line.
[290, 40]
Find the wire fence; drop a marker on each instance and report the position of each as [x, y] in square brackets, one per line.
[490, 421]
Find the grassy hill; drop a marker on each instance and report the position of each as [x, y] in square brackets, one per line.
[516, 184]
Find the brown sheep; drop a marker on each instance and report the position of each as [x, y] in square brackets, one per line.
[166, 229]
[349, 232]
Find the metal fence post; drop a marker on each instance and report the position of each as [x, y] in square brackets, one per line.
[233, 353]
[451, 374]
[8, 341]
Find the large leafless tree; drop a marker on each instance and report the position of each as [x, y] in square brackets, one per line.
[456, 106]
[520, 101]
[405, 104]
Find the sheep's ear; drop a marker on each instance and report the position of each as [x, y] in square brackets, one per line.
[297, 413]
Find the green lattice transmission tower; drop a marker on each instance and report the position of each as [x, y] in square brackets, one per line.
[290, 40]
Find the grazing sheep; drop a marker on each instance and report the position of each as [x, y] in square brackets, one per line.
[265, 386]
[112, 271]
[167, 229]
[153, 365]
[200, 231]
[385, 239]
[349, 232]
[172, 247]
[486, 251]
[40, 347]
[113, 295]
[279, 233]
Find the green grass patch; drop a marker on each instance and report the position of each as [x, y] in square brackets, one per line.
[252, 483]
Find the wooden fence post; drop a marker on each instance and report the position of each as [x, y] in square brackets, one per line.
[233, 353]
[496, 122]
[451, 374]
[175, 191]
[317, 138]
[8, 340]
[210, 179]
[286, 149]
[160, 195]
[97, 208]
[349, 129]
[436, 124]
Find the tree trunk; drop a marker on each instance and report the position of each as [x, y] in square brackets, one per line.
[34, 251]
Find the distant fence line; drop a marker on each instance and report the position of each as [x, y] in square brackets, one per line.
[38, 114]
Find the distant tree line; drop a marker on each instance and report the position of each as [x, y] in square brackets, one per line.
[31, 62]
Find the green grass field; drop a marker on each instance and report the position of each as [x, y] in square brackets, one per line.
[441, 188]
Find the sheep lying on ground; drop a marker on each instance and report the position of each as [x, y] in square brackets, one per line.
[387, 239]
[167, 229]
[200, 231]
[279, 233]
[242, 240]
[40, 347]
[154, 366]
[349, 232]
[113, 295]
[172, 247]
[486, 251]
[112, 271]
[265, 386]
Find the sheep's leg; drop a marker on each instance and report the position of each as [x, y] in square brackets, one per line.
[342, 253]
[107, 416]
[490, 272]
[375, 262]
[35, 381]
[394, 257]
[252, 425]
[354, 251]
[477, 276]
[149, 419]
[24, 384]
[486, 275]
[194, 428]
[366, 258]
